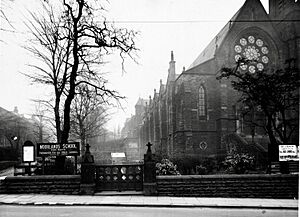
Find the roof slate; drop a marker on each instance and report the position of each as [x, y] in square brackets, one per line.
[209, 52]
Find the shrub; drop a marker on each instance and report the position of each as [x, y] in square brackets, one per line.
[186, 165]
[201, 170]
[166, 167]
[238, 162]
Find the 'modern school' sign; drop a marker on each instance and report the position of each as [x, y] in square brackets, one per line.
[57, 149]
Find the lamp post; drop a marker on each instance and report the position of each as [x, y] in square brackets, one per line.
[15, 143]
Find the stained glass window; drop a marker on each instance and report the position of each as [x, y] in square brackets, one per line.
[243, 41]
[259, 42]
[251, 39]
[252, 69]
[265, 59]
[201, 101]
[251, 53]
[260, 66]
[238, 48]
[253, 49]
[264, 50]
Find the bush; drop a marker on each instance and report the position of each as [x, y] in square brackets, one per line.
[238, 162]
[191, 165]
[201, 170]
[186, 165]
[166, 167]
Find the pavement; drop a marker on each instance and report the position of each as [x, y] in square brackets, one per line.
[146, 201]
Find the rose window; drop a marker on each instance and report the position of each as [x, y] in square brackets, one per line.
[253, 49]
[251, 53]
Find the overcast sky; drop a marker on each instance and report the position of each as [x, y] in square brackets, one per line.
[184, 26]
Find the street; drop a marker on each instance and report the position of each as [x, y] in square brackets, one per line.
[93, 211]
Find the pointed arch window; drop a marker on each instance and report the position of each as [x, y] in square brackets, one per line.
[201, 101]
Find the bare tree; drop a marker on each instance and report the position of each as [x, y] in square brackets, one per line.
[88, 115]
[42, 122]
[6, 25]
[71, 43]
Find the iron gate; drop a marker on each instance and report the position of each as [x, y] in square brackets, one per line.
[119, 177]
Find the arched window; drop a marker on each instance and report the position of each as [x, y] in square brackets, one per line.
[201, 102]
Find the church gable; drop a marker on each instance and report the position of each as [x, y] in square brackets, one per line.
[251, 15]
[252, 10]
[252, 36]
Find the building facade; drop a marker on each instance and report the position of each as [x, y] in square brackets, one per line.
[194, 114]
[15, 129]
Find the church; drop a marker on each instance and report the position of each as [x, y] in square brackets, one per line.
[195, 115]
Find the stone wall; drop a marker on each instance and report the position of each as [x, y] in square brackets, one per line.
[62, 184]
[239, 186]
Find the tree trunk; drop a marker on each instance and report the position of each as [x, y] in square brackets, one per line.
[71, 95]
[73, 75]
[273, 152]
[82, 139]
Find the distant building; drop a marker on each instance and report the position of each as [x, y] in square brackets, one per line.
[15, 129]
[193, 114]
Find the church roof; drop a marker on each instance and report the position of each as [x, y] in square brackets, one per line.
[252, 8]
[141, 102]
[209, 52]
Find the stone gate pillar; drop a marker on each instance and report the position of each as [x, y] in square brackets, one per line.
[87, 185]
[150, 186]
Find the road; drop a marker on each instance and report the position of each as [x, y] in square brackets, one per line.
[113, 211]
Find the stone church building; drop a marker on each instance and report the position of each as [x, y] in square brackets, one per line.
[194, 114]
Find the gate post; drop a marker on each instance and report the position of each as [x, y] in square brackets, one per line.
[149, 184]
[87, 185]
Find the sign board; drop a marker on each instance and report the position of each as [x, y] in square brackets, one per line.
[118, 154]
[28, 152]
[57, 149]
[133, 145]
[288, 153]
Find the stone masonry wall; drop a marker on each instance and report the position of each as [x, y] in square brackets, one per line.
[240, 186]
[62, 184]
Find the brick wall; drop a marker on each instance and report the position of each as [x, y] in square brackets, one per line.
[62, 184]
[240, 186]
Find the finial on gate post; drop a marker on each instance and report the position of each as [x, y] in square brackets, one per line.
[149, 148]
[149, 152]
[87, 157]
[149, 185]
[87, 148]
[87, 184]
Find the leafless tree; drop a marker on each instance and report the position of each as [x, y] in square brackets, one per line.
[71, 41]
[43, 122]
[88, 115]
[6, 25]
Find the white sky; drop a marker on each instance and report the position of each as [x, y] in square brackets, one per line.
[156, 40]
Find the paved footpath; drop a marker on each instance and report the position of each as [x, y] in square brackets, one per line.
[146, 201]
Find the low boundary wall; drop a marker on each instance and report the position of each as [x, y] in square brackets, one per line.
[54, 184]
[239, 186]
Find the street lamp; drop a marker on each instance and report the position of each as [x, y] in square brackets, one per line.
[14, 138]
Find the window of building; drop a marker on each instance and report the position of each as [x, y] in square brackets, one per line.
[255, 50]
[201, 102]
[203, 145]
